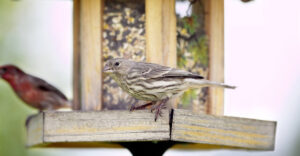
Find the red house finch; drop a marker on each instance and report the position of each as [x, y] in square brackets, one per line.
[33, 91]
[153, 82]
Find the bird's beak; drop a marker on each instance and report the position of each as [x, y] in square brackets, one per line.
[107, 69]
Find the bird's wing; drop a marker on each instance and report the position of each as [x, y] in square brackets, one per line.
[176, 73]
[46, 87]
[149, 70]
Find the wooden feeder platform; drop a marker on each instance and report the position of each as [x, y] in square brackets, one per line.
[133, 129]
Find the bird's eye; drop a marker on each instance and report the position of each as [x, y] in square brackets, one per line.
[117, 64]
[4, 69]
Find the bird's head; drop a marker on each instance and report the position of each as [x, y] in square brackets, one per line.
[10, 72]
[118, 66]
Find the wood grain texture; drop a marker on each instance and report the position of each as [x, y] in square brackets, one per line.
[224, 131]
[80, 145]
[216, 49]
[161, 32]
[102, 126]
[154, 28]
[169, 54]
[169, 33]
[35, 130]
[94, 129]
[76, 55]
[90, 53]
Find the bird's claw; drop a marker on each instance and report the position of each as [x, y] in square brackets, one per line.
[152, 109]
[158, 113]
[133, 107]
[155, 108]
[158, 109]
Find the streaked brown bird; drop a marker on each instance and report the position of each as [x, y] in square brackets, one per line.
[153, 82]
[34, 91]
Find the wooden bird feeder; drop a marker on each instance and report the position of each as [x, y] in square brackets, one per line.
[147, 30]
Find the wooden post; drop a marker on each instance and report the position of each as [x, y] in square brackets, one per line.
[161, 32]
[216, 48]
[76, 55]
[154, 31]
[90, 53]
[169, 33]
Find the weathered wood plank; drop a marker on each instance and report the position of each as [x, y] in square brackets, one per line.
[80, 145]
[102, 126]
[90, 53]
[76, 55]
[228, 131]
[92, 129]
[215, 31]
[35, 130]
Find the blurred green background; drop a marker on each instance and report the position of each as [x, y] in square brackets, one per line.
[27, 31]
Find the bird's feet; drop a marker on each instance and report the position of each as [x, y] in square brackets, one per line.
[133, 107]
[159, 107]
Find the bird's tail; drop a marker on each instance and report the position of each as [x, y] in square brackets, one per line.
[195, 83]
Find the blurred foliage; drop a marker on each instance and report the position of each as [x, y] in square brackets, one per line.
[13, 114]
[188, 96]
[192, 51]
[199, 50]
[190, 23]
